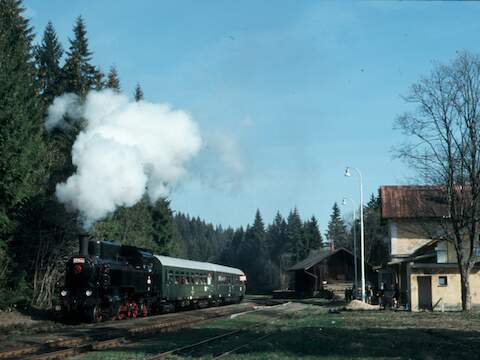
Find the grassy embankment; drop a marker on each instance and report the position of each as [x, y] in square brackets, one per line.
[308, 331]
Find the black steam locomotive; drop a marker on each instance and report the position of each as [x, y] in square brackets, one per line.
[112, 281]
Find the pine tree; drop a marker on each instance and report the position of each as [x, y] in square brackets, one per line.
[49, 72]
[138, 93]
[22, 148]
[113, 82]
[337, 230]
[80, 76]
[295, 236]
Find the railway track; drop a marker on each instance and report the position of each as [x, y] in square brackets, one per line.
[187, 349]
[101, 340]
[192, 347]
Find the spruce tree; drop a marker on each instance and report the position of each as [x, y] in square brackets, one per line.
[277, 242]
[253, 254]
[277, 238]
[237, 240]
[22, 148]
[49, 72]
[376, 250]
[295, 236]
[138, 95]
[128, 225]
[113, 82]
[164, 232]
[99, 80]
[337, 230]
[312, 236]
[80, 76]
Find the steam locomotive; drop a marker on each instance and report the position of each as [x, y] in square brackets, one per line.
[107, 280]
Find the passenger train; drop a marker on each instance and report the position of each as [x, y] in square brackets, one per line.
[107, 280]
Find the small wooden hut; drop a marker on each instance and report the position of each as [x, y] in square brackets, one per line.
[326, 270]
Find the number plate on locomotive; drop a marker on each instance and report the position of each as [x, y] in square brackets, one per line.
[78, 260]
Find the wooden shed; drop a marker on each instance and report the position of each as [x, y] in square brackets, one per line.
[318, 271]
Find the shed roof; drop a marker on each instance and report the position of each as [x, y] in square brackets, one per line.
[197, 265]
[413, 201]
[315, 259]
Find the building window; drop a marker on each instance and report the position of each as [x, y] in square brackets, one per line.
[477, 251]
[442, 255]
[442, 281]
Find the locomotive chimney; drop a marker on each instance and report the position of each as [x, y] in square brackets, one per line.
[83, 244]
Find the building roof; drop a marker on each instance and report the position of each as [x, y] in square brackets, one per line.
[196, 265]
[413, 201]
[314, 259]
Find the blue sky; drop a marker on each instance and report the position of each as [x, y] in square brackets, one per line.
[299, 89]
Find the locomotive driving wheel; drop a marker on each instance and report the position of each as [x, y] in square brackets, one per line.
[96, 314]
[133, 310]
[121, 312]
[144, 309]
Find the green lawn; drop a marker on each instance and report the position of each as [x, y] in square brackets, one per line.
[308, 331]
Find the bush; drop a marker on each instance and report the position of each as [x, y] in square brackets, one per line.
[16, 298]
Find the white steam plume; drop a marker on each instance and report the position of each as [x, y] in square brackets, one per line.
[126, 149]
[67, 104]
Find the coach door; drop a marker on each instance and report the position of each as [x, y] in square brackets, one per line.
[424, 292]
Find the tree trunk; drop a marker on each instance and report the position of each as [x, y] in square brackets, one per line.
[465, 287]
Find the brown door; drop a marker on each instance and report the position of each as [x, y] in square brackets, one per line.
[424, 292]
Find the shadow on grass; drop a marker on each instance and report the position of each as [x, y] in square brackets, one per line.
[332, 342]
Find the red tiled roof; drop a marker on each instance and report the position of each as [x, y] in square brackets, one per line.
[413, 201]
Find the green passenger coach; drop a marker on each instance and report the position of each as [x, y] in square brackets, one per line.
[186, 282]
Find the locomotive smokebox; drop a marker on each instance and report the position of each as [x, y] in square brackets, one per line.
[83, 244]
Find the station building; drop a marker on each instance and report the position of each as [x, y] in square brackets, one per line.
[421, 262]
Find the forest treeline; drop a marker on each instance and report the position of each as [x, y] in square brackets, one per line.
[38, 234]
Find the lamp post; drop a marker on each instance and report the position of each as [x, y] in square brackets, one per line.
[344, 202]
[362, 238]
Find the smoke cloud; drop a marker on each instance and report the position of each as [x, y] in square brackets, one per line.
[126, 149]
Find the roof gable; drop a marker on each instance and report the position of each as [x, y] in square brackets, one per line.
[315, 259]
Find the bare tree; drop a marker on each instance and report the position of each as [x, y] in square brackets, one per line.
[443, 147]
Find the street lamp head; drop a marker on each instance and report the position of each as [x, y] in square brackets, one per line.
[347, 171]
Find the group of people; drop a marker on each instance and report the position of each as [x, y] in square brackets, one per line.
[385, 295]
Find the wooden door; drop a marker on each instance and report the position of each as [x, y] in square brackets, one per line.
[424, 292]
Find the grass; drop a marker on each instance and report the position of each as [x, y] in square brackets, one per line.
[309, 331]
